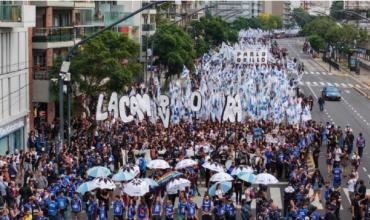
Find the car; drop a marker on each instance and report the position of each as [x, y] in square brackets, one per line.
[331, 93]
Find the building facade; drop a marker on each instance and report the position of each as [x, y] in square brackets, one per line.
[279, 8]
[229, 10]
[16, 21]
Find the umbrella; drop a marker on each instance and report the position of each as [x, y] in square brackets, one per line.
[103, 183]
[131, 169]
[123, 175]
[85, 187]
[98, 171]
[221, 177]
[178, 184]
[136, 187]
[152, 183]
[247, 177]
[265, 179]
[158, 164]
[214, 166]
[165, 178]
[225, 187]
[238, 170]
[185, 163]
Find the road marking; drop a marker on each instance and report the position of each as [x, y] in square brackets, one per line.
[322, 83]
[317, 73]
[350, 85]
[314, 83]
[358, 86]
[276, 196]
[308, 83]
[313, 93]
[336, 84]
[300, 83]
[347, 91]
[330, 74]
[324, 73]
[344, 85]
[364, 168]
[329, 84]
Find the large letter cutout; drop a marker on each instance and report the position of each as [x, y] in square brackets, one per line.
[101, 116]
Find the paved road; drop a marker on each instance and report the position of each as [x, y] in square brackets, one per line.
[354, 109]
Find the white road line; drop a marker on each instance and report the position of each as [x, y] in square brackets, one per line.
[330, 74]
[364, 168]
[318, 73]
[322, 83]
[350, 85]
[313, 93]
[300, 83]
[347, 91]
[336, 84]
[314, 83]
[276, 196]
[324, 73]
[329, 84]
[308, 83]
[368, 176]
[358, 86]
[344, 85]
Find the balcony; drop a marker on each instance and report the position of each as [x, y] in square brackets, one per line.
[148, 27]
[12, 16]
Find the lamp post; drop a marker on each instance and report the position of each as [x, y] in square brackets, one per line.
[64, 75]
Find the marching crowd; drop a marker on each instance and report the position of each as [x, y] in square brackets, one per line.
[42, 182]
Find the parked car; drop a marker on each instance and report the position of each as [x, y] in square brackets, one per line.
[331, 93]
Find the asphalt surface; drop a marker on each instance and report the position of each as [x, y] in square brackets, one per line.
[353, 109]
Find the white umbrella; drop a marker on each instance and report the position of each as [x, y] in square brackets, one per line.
[221, 177]
[238, 170]
[136, 187]
[178, 184]
[265, 179]
[103, 183]
[158, 164]
[98, 171]
[185, 163]
[214, 166]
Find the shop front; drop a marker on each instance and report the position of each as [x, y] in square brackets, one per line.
[12, 136]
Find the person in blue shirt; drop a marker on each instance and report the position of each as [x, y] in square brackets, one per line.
[156, 210]
[337, 177]
[76, 207]
[315, 215]
[131, 212]
[302, 212]
[168, 210]
[181, 209]
[62, 205]
[102, 215]
[207, 208]
[245, 210]
[191, 210]
[118, 208]
[142, 211]
[91, 208]
[230, 210]
[268, 155]
[52, 208]
[220, 209]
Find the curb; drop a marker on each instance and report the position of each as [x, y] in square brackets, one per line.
[334, 74]
[362, 93]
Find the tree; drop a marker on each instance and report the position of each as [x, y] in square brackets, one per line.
[269, 22]
[301, 16]
[319, 25]
[316, 42]
[174, 48]
[102, 65]
[335, 10]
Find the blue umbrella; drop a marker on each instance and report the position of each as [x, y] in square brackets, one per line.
[225, 187]
[123, 176]
[247, 177]
[98, 171]
[152, 183]
[85, 187]
[168, 177]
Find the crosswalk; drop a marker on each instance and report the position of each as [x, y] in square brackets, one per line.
[324, 73]
[322, 84]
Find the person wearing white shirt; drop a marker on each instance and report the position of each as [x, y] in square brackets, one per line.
[337, 155]
[351, 186]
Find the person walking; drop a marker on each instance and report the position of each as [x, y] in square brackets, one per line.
[76, 207]
[360, 143]
[321, 103]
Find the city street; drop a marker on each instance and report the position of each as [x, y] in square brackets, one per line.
[352, 110]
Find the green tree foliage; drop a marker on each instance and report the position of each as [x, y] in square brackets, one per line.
[319, 26]
[301, 16]
[174, 48]
[269, 22]
[316, 42]
[105, 64]
[335, 8]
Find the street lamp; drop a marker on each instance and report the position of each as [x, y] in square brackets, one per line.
[64, 75]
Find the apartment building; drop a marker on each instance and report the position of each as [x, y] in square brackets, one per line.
[279, 8]
[16, 21]
[229, 10]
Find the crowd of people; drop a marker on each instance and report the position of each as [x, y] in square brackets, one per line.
[41, 182]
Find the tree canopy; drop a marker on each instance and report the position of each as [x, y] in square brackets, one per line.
[301, 16]
[173, 47]
[269, 22]
[335, 10]
[104, 64]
